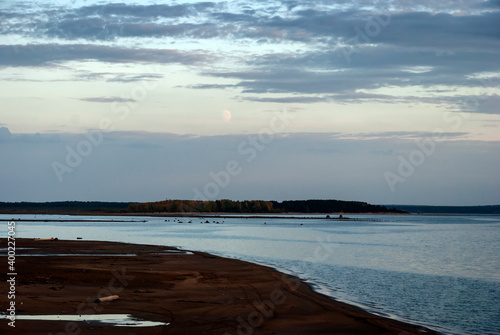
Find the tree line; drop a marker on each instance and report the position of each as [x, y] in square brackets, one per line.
[258, 206]
[63, 206]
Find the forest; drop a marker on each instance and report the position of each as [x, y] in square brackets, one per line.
[258, 206]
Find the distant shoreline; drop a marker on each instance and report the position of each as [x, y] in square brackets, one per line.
[240, 208]
[196, 215]
[302, 216]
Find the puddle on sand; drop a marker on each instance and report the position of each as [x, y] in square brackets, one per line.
[118, 320]
[175, 252]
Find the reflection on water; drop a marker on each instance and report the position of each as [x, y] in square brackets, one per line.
[440, 271]
[119, 320]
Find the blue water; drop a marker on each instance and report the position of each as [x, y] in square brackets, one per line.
[438, 271]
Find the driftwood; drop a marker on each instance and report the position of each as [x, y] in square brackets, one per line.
[108, 298]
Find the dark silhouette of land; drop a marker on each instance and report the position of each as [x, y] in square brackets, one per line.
[188, 206]
[494, 209]
[230, 206]
[62, 207]
[258, 207]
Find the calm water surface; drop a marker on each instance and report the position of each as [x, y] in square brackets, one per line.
[438, 271]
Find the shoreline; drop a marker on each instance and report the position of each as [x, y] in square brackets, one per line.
[192, 214]
[302, 216]
[195, 292]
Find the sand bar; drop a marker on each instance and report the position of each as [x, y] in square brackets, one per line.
[179, 292]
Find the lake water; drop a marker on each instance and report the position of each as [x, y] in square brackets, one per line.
[438, 271]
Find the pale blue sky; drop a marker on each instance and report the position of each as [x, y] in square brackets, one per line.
[347, 97]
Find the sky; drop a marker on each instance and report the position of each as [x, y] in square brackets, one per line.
[388, 102]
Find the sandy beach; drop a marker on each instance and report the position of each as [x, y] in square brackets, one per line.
[187, 292]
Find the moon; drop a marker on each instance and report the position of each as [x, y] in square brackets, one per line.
[226, 115]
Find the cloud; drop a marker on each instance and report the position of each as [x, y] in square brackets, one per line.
[480, 104]
[420, 24]
[4, 134]
[94, 29]
[489, 4]
[325, 76]
[296, 80]
[289, 100]
[106, 99]
[45, 54]
[145, 11]
[127, 78]
[116, 76]
[486, 105]
[408, 135]
[450, 44]
[352, 97]
[211, 86]
[423, 29]
[27, 139]
[110, 21]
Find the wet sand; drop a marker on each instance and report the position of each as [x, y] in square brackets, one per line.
[194, 292]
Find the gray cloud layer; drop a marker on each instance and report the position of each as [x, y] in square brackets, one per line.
[45, 54]
[307, 165]
[345, 46]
